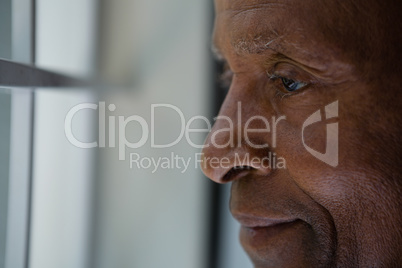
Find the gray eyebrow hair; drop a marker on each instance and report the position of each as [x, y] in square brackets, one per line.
[246, 46]
[256, 45]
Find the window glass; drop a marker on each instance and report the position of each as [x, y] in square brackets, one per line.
[5, 108]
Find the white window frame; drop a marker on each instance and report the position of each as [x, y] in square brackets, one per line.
[21, 77]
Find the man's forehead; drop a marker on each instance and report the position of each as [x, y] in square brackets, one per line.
[290, 28]
[259, 20]
[253, 26]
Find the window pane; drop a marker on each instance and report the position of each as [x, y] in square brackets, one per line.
[62, 178]
[5, 109]
[5, 29]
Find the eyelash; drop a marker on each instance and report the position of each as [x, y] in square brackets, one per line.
[281, 90]
[226, 78]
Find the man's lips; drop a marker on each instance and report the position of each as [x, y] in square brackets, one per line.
[268, 235]
[252, 221]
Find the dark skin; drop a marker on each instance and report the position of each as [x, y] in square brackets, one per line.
[311, 214]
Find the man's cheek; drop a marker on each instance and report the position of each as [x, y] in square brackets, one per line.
[293, 140]
[309, 172]
[289, 146]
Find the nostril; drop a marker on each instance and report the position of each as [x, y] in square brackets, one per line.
[242, 167]
[236, 172]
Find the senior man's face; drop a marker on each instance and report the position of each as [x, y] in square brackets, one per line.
[287, 60]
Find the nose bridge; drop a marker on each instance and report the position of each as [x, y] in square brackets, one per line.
[229, 144]
[228, 129]
[240, 104]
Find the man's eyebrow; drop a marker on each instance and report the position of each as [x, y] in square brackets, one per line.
[279, 51]
[271, 60]
[255, 45]
[243, 46]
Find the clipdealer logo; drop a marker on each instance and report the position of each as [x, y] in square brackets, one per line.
[331, 155]
[120, 123]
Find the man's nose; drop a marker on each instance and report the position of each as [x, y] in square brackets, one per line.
[238, 144]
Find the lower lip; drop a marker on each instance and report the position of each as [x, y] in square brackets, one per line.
[259, 237]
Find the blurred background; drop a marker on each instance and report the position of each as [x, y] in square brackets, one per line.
[69, 207]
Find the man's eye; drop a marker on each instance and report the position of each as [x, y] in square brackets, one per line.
[286, 85]
[291, 85]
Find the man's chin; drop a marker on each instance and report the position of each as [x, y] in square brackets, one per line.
[286, 245]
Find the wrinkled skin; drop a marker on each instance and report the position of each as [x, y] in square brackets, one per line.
[347, 51]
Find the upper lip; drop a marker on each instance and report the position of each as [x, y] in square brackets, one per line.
[253, 221]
